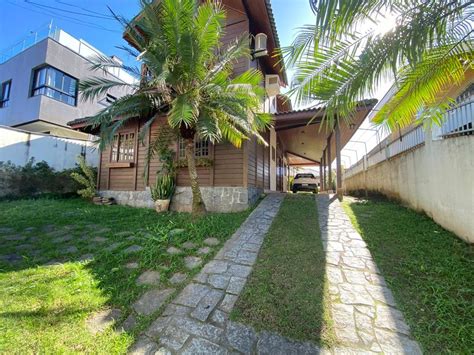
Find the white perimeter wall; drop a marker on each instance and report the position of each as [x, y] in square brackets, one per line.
[437, 178]
[20, 146]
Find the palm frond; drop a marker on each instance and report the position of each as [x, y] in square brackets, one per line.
[94, 87]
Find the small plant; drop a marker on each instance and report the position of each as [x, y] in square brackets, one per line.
[164, 187]
[86, 179]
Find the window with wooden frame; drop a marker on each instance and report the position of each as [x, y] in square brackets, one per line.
[123, 147]
[201, 148]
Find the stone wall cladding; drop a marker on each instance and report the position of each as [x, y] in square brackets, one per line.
[217, 199]
[130, 198]
[254, 194]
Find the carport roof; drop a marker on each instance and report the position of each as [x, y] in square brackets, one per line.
[304, 140]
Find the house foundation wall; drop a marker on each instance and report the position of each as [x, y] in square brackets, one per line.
[217, 199]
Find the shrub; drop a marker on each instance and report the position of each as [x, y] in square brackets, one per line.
[34, 179]
[87, 179]
[164, 187]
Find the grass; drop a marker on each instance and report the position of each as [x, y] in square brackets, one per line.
[430, 271]
[286, 292]
[43, 308]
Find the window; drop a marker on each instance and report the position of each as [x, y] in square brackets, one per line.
[5, 93]
[201, 148]
[123, 147]
[110, 99]
[55, 84]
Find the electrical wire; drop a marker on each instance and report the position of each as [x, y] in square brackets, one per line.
[64, 17]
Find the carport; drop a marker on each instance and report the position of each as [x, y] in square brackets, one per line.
[306, 142]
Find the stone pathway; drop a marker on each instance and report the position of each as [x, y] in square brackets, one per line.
[364, 312]
[196, 321]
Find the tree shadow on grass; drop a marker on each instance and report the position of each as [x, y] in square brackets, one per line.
[285, 292]
[428, 269]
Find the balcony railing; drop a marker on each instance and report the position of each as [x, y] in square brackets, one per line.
[28, 41]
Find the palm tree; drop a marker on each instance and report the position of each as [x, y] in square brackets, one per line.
[428, 50]
[187, 75]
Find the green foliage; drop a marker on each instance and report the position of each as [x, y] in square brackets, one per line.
[164, 187]
[427, 53]
[33, 180]
[189, 76]
[44, 308]
[87, 178]
[203, 162]
[160, 147]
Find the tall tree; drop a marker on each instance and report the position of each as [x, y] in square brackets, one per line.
[188, 76]
[428, 50]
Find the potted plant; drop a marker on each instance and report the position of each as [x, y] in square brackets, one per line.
[162, 192]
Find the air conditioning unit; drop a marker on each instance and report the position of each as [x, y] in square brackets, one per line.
[272, 84]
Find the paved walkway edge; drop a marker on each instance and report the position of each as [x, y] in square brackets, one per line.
[196, 321]
[364, 313]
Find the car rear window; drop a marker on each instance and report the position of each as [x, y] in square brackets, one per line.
[304, 176]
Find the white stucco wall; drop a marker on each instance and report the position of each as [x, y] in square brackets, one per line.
[437, 178]
[60, 153]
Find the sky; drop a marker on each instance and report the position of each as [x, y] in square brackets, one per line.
[20, 19]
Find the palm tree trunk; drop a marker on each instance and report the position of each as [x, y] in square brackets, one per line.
[198, 206]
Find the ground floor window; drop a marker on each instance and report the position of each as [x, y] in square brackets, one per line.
[201, 148]
[123, 147]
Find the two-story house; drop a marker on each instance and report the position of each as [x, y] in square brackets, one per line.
[235, 177]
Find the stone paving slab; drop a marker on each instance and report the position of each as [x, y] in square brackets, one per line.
[363, 309]
[196, 321]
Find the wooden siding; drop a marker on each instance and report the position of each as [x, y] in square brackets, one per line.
[227, 169]
[258, 164]
[237, 23]
[252, 163]
[228, 165]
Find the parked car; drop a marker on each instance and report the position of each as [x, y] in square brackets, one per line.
[305, 182]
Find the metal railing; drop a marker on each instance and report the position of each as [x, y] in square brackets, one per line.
[28, 41]
[459, 120]
[388, 149]
[79, 46]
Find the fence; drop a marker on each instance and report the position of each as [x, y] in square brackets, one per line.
[458, 121]
[18, 147]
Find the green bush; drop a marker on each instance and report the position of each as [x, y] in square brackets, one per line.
[164, 187]
[35, 179]
[87, 178]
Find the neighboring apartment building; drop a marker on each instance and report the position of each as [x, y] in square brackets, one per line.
[39, 84]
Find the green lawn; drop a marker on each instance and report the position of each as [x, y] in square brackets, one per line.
[430, 271]
[286, 292]
[44, 308]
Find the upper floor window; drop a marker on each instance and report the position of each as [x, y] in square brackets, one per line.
[201, 148]
[55, 84]
[5, 93]
[123, 147]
